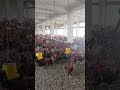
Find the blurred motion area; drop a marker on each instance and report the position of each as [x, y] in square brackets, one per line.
[17, 44]
[102, 45]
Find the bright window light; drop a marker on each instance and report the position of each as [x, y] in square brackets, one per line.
[47, 31]
[60, 32]
[74, 32]
[81, 32]
[74, 25]
[82, 24]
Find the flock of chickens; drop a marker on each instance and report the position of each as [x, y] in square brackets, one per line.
[16, 47]
[101, 50]
[57, 56]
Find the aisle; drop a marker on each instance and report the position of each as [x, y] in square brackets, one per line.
[52, 78]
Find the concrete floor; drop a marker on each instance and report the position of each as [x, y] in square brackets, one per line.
[52, 77]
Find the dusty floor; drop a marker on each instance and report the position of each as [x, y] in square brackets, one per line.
[52, 78]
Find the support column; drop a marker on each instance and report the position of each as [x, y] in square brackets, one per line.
[102, 12]
[77, 29]
[43, 29]
[88, 18]
[65, 29]
[70, 27]
[56, 30]
[7, 9]
[52, 28]
[38, 29]
[20, 6]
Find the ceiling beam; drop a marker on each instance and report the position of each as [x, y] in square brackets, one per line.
[40, 17]
[80, 7]
[62, 11]
[60, 20]
[45, 7]
[46, 14]
[49, 14]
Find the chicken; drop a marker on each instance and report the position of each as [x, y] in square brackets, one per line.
[69, 69]
[81, 58]
[53, 60]
[49, 61]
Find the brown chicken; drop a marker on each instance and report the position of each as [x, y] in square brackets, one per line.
[69, 69]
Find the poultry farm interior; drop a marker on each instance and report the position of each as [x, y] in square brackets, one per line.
[66, 72]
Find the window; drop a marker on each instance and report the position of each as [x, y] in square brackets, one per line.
[81, 32]
[60, 31]
[74, 26]
[74, 32]
[82, 24]
[47, 31]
